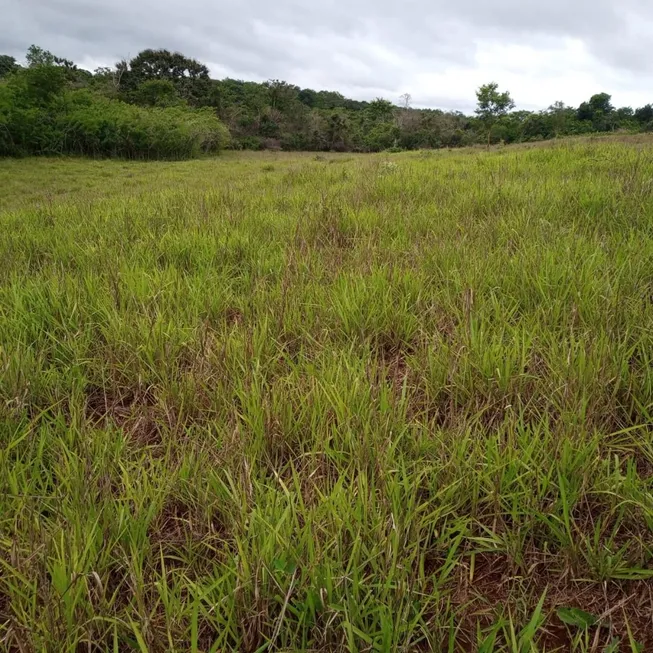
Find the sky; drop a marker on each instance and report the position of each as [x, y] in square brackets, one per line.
[439, 51]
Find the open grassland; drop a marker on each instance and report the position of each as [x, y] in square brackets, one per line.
[364, 403]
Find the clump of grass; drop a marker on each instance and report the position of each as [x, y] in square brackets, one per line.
[408, 407]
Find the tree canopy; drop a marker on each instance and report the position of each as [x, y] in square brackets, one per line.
[189, 77]
[51, 107]
[492, 105]
[280, 115]
[7, 65]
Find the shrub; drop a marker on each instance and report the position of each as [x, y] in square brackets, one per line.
[249, 143]
[112, 128]
[82, 122]
[381, 137]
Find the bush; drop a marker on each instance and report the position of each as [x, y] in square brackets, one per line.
[112, 128]
[82, 122]
[249, 143]
[381, 137]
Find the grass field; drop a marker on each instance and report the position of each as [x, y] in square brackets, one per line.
[363, 403]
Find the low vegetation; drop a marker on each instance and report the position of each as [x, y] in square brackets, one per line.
[162, 104]
[364, 403]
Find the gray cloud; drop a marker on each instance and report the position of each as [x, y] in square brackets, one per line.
[437, 49]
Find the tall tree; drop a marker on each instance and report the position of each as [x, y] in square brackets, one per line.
[599, 111]
[561, 115]
[337, 130]
[380, 110]
[189, 76]
[492, 105]
[38, 86]
[281, 95]
[644, 115]
[308, 97]
[37, 56]
[7, 65]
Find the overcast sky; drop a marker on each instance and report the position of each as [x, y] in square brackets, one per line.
[439, 51]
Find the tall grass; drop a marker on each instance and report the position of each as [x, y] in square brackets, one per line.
[360, 404]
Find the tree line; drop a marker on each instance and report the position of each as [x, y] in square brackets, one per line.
[163, 104]
[50, 106]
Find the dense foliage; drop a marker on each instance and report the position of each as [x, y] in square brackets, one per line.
[164, 104]
[51, 107]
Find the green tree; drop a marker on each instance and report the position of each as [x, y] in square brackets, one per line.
[561, 117]
[537, 126]
[380, 110]
[281, 95]
[308, 97]
[37, 56]
[269, 123]
[601, 103]
[644, 115]
[38, 86]
[156, 93]
[599, 111]
[189, 76]
[7, 65]
[337, 131]
[330, 100]
[382, 136]
[625, 113]
[624, 118]
[492, 105]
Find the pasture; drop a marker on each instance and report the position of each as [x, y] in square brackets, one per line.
[274, 402]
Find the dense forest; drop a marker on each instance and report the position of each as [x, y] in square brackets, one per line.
[162, 104]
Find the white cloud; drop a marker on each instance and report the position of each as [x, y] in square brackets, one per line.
[437, 50]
